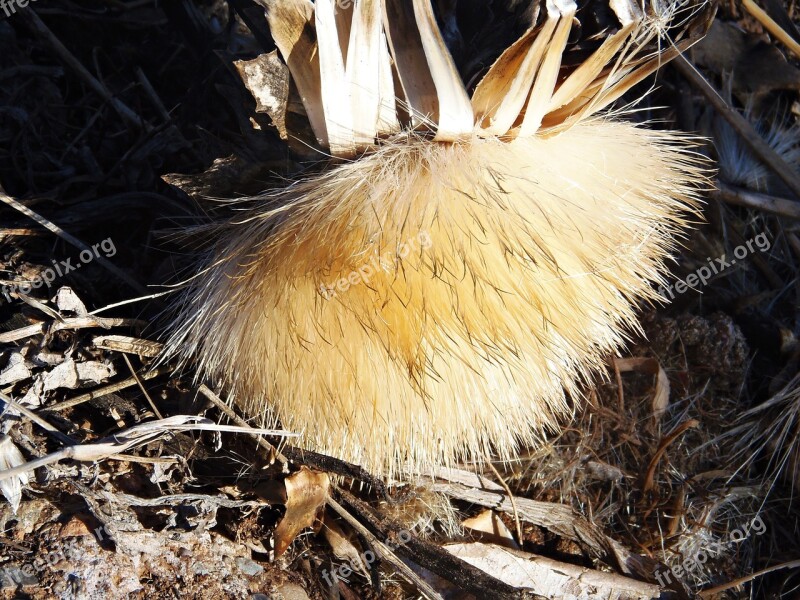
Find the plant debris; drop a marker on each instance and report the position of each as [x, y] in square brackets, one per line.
[127, 127]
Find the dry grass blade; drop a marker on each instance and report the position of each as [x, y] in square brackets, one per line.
[547, 76]
[137, 435]
[336, 102]
[412, 68]
[501, 94]
[290, 23]
[648, 478]
[455, 110]
[718, 589]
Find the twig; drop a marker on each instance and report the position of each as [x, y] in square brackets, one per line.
[710, 593]
[748, 199]
[151, 92]
[38, 26]
[770, 25]
[103, 391]
[384, 552]
[141, 387]
[69, 238]
[503, 483]
[71, 323]
[760, 148]
[228, 412]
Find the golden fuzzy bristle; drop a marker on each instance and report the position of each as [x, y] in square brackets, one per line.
[436, 301]
[439, 297]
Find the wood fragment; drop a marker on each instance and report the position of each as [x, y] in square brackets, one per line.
[755, 200]
[128, 345]
[67, 324]
[432, 557]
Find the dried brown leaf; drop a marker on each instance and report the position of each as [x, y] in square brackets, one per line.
[306, 493]
[653, 367]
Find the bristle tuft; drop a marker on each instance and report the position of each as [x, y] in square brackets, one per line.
[432, 302]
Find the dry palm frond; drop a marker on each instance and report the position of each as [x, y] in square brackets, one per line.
[439, 297]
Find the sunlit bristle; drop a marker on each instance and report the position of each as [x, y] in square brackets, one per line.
[444, 295]
[430, 302]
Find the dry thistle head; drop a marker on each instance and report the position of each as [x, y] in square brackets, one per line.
[437, 297]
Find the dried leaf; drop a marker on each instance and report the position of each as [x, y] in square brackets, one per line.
[267, 79]
[342, 547]
[71, 374]
[409, 59]
[653, 367]
[15, 370]
[547, 76]
[290, 22]
[502, 93]
[306, 493]
[587, 72]
[491, 525]
[455, 110]
[364, 70]
[11, 457]
[336, 102]
[67, 301]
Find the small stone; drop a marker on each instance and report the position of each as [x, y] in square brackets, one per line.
[249, 567]
[290, 591]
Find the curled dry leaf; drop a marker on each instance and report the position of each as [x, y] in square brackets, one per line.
[489, 527]
[267, 78]
[342, 547]
[67, 301]
[306, 493]
[71, 374]
[653, 367]
[11, 457]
